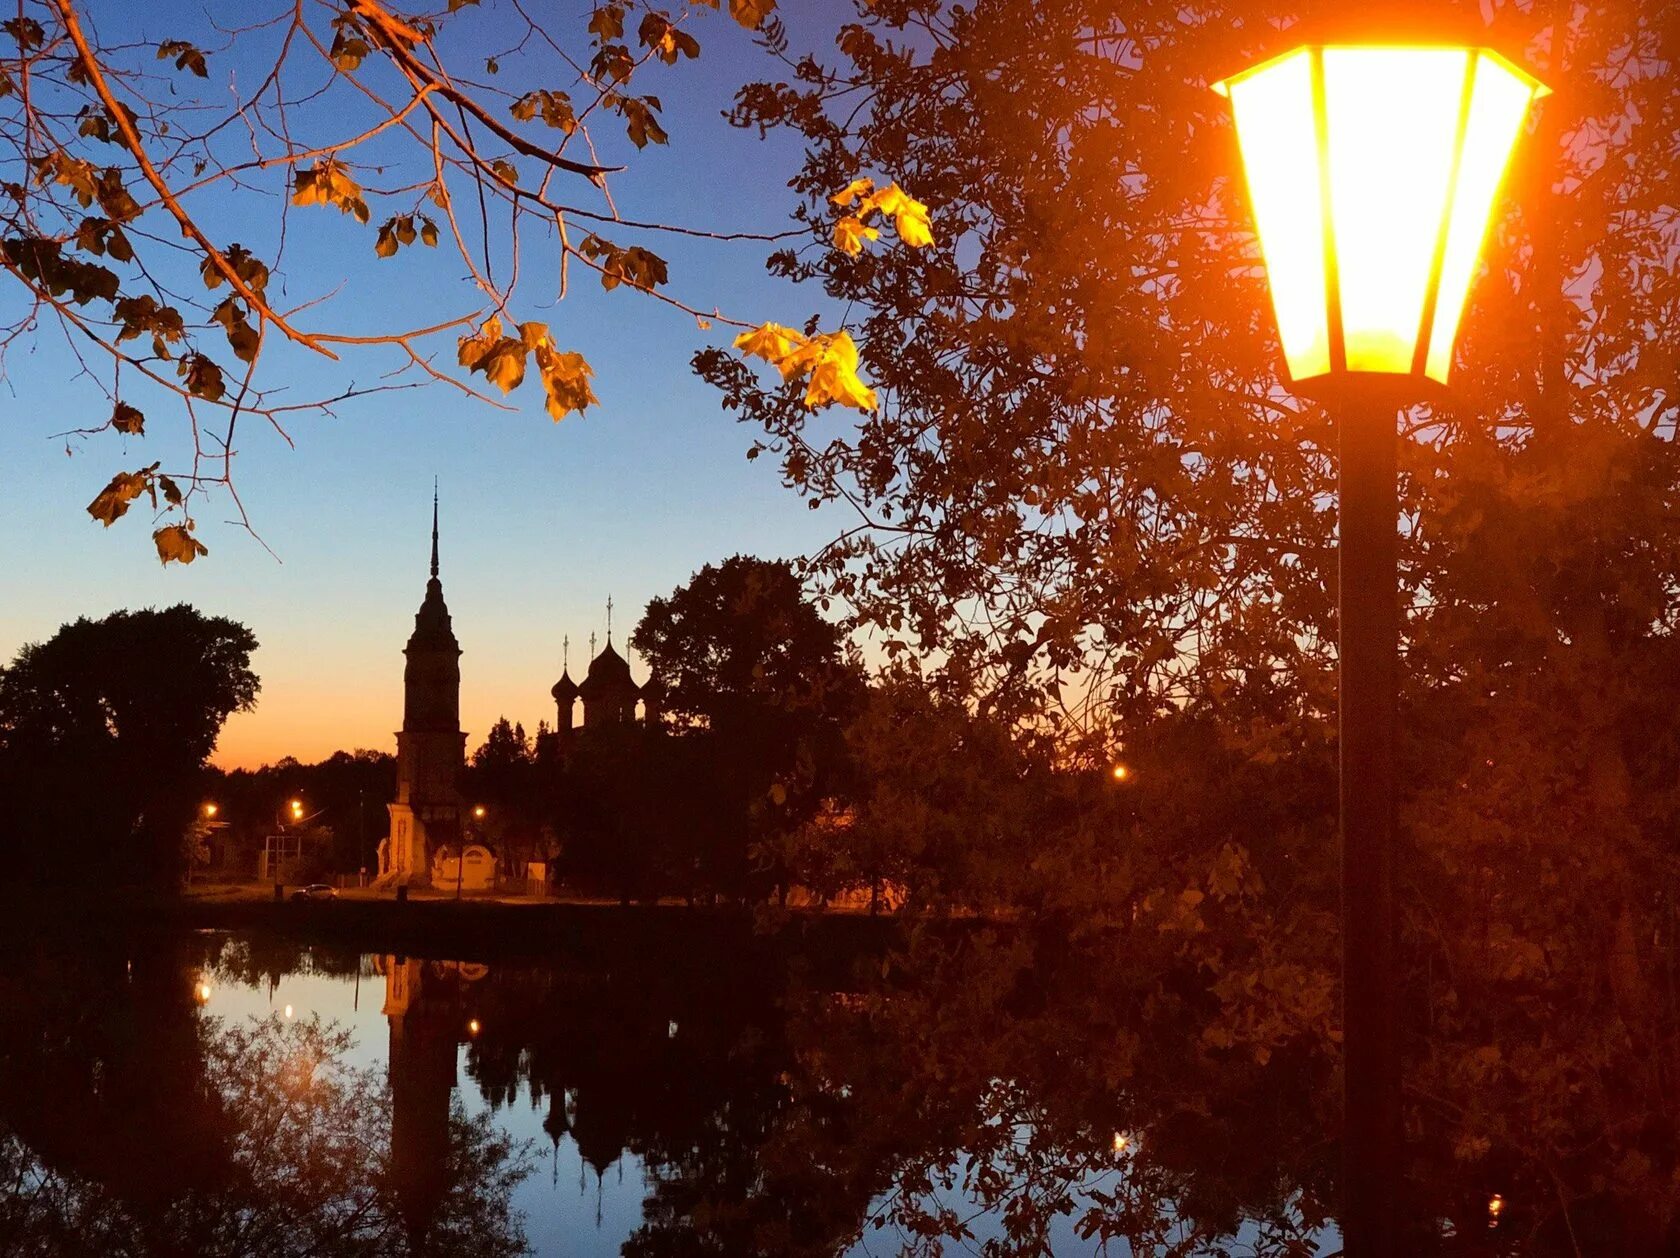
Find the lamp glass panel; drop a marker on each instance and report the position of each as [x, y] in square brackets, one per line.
[1392, 131]
[1273, 108]
[1498, 104]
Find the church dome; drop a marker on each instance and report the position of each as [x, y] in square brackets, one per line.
[608, 671]
[565, 690]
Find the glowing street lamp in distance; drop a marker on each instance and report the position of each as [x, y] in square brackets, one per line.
[1372, 173]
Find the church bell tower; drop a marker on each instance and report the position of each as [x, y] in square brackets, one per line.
[431, 747]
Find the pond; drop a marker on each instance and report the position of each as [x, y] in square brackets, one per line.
[227, 1093]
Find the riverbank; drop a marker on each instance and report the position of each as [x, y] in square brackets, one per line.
[481, 928]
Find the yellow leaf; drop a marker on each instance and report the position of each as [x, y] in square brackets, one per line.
[566, 378]
[829, 363]
[850, 233]
[913, 226]
[501, 358]
[504, 366]
[852, 191]
[771, 342]
[751, 13]
[834, 375]
[909, 215]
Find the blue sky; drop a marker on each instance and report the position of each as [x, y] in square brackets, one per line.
[541, 521]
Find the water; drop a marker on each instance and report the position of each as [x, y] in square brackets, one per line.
[216, 1093]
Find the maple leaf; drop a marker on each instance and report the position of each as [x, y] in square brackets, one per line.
[828, 361]
[667, 42]
[555, 108]
[111, 504]
[751, 13]
[852, 191]
[175, 543]
[607, 22]
[565, 376]
[241, 335]
[128, 419]
[834, 375]
[910, 216]
[639, 121]
[772, 342]
[203, 377]
[850, 233]
[500, 358]
[326, 183]
[186, 56]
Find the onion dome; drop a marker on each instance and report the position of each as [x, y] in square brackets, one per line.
[608, 674]
[565, 690]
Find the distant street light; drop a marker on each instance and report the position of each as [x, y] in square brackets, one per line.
[210, 809]
[478, 812]
[1372, 170]
[1120, 773]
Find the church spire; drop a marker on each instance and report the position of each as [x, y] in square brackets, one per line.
[434, 526]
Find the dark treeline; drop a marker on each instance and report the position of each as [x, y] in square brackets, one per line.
[104, 732]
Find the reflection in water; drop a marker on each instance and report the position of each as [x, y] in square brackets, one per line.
[135, 1121]
[752, 1109]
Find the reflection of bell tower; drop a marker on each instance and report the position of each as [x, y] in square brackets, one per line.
[424, 1025]
[431, 748]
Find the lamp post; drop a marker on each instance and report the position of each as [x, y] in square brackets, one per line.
[1372, 172]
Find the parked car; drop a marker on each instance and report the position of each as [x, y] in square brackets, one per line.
[315, 891]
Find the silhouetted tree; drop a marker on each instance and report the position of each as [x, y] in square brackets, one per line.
[104, 731]
[762, 684]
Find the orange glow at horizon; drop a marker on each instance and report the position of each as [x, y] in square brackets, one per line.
[1414, 146]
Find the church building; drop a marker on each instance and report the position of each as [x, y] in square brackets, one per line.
[428, 816]
[608, 694]
[431, 747]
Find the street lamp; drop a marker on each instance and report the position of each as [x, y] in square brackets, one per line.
[1372, 172]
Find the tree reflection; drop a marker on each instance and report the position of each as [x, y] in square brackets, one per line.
[1015, 1090]
[130, 1123]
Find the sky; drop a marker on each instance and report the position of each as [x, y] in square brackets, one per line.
[540, 522]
